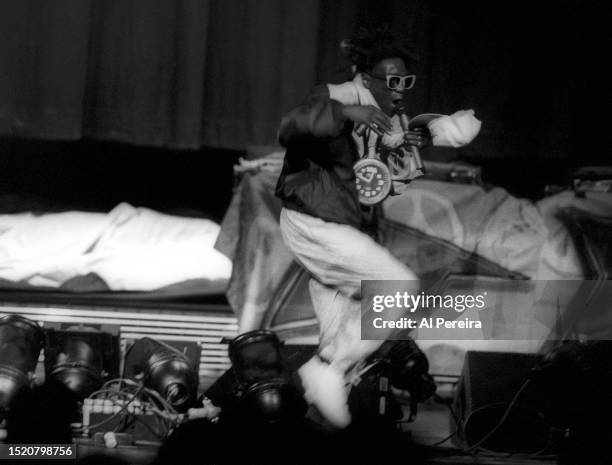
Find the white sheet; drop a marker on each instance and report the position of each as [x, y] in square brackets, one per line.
[516, 233]
[130, 248]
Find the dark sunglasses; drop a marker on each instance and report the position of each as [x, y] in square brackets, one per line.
[398, 83]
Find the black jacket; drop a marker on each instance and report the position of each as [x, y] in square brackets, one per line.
[318, 177]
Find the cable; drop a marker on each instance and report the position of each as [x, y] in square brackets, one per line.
[494, 429]
[158, 435]
[130, 419]
[168, 423]
[161, 400]
[110, 391]
[501, 421]
[121, 381]
[455, 417]
[450, 408]
[167, 417]
[151, 394]
[442, 441]
[146, 390]
[116, 414]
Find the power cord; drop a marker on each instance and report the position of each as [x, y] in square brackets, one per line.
[500, 422]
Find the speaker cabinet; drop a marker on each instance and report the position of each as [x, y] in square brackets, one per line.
[497, 406]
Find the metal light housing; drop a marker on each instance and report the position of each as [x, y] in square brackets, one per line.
[21, 340]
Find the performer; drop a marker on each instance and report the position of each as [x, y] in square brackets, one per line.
[322, 221]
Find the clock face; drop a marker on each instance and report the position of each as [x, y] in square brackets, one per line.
[373, 181]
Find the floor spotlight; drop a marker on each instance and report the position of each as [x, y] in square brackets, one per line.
[263, 382]
[21, 340]
[80, 357]
[164, 369]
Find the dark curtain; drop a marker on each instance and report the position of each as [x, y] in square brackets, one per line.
[535, 72]
[188, 73]
[43, 67]
[532, 71]
[179, 73]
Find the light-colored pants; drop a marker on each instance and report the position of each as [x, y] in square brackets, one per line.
[338, 258]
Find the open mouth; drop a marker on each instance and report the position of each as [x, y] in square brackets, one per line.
[397, 105]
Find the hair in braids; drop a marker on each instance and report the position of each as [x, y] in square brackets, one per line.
[369, 46]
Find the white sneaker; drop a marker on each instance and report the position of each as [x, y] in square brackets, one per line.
[325, 388]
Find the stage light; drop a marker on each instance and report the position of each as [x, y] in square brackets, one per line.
[81, 357]
[78, 366]
[21, 340]
[263, 384]
[256, 356]
[273, 401]
[165, 370]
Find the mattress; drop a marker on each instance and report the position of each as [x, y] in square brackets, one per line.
[136, 271]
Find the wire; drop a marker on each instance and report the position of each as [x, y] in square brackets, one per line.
[130, 419]
[450, 408]
[168, 422]
[500, 422]
[123, 423]
[455, 418]
[121, 381]
[116, 414]
[493, 430]
[161, 400]
[166, 415]
[114, 392]
[151, 394]
[442, 441]
[486, 452]
[157, 434]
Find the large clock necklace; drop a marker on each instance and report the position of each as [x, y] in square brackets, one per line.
[373, 177]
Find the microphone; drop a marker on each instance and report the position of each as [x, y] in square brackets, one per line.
[405, 123]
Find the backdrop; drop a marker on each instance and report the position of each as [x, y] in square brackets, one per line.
[192, 73]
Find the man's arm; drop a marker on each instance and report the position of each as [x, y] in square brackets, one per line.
[320, 116]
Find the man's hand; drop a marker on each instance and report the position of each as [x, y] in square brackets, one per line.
[418, 137]
[368, 115]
